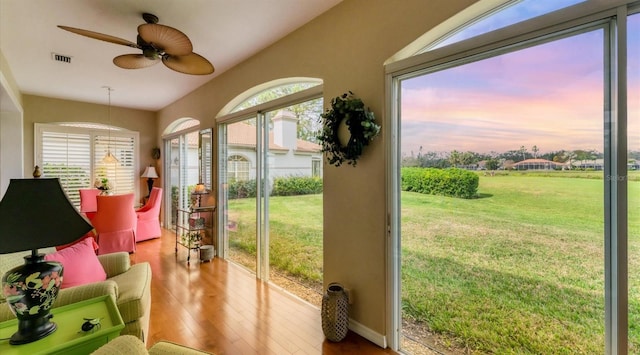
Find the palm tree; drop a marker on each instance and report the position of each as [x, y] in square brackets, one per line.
[523, 151]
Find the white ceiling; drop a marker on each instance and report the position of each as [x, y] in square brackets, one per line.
[225, 32]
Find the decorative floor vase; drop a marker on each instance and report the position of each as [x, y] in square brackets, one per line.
[335, 313]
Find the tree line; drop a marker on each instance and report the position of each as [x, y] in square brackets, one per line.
[494, 160]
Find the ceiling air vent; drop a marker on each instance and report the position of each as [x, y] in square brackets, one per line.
[61, 58]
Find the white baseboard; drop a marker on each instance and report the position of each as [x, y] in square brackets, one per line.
[368, 334]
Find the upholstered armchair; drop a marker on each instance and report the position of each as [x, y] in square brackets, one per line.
[130, 345]
[149, 217]
[88, 202]
[116, 222]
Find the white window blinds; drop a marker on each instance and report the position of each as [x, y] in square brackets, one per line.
[74, 155]
[66, 156]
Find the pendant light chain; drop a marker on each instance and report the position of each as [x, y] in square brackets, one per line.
[109, 158]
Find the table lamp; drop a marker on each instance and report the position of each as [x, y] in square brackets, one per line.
[35, 213]
[149, 173]
[199, 191]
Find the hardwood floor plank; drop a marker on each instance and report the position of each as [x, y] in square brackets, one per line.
[220, 307]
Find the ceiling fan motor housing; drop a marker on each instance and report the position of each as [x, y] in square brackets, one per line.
[151, 53]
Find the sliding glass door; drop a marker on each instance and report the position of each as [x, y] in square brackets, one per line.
[183, 171]
[271, 195]
[239, 156]
[544, 257]
[518, 267]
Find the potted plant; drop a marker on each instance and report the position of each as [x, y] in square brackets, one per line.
[360, 121]
[103, 185]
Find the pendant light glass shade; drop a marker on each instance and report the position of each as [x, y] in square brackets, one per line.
[109, 158]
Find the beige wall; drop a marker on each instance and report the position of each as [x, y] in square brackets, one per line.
[346, 48]
[38, 109]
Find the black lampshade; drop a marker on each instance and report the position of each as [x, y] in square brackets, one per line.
[36, 213]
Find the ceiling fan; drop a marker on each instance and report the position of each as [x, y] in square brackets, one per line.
[158, 43]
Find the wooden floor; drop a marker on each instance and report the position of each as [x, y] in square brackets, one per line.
[221, 308]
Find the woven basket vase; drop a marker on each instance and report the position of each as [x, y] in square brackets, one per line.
[335, 313]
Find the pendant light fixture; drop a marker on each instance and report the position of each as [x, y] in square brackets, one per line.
[109, 158]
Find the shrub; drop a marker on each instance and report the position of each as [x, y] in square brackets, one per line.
[242, 189]
[296, 185]
[447, 182]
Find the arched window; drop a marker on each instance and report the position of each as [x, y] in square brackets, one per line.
[237, 168]
[181, 124]
[274, 93]
[509, 13]
[269, 91]
[479, 18]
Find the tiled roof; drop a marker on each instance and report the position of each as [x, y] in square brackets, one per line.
[242, 134]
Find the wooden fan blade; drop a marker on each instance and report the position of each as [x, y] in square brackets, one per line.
[133, 61]
[189, 64]
[100, 36]
[166, 38]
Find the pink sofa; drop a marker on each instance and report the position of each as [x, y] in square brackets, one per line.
[149, 217]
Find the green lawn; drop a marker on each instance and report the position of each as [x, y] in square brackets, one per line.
[518, 270]
[295, 235]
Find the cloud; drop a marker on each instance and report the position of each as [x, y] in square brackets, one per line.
[550, 95]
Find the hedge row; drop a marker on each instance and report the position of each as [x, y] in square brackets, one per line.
[297, 185]
[242, 189]
[446, 182]
[283, 186]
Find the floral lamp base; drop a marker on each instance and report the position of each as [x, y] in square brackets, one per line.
[30, 291]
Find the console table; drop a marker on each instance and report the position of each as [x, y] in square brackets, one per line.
[68, 337]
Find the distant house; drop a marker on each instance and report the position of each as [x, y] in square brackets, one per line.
[539, 164]
[287, 156]
[595, 164]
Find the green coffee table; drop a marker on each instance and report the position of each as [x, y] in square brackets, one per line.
[68, 339]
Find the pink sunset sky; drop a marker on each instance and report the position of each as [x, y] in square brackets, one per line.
[550, 95]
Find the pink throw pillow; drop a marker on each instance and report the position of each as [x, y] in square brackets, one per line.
[81, 265]
[93, 234]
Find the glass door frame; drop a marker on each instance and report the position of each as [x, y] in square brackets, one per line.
[612, 18]
[259, 113]
[180, 136]
[262, 201]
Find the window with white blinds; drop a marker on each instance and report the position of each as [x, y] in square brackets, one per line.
[74, 155]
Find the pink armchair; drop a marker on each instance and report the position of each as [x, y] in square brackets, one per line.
[88, 202]
[149, 217]
[115, 221]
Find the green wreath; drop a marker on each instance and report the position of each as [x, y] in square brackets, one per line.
[361, 124]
